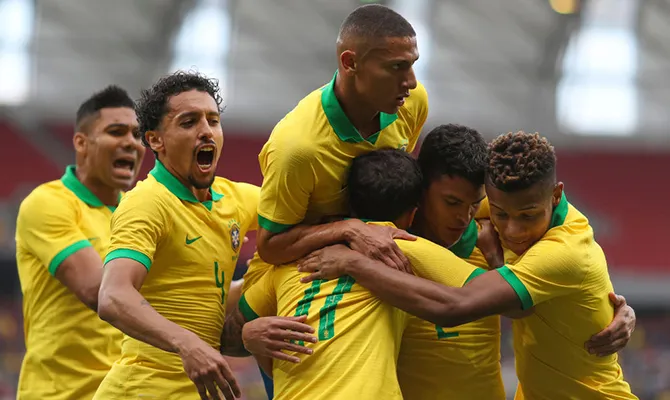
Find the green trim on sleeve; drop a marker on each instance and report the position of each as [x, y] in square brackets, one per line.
[247, 312]
[518, 286]
[272, 226]
[129, 253]
[65, 253]
[474, 274]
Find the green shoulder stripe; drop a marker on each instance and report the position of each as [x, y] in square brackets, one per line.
[271, 226]
[129, 253]
[517, 285]
[65, 253]
[474, 274]
[246, 310]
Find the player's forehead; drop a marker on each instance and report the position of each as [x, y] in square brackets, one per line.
[402, 48]
[520, 200]
[192, 101]
[116, 116]
[447, 185]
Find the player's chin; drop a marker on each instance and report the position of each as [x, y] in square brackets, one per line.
[203, 179]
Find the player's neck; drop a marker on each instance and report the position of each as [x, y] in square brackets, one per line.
[361, 115]
[108, 195]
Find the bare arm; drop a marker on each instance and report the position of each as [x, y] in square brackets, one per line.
[485, 295]
[374, 241]
[121, 304]
[81, 273]
[300, 240]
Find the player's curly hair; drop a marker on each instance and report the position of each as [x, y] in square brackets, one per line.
[453, 150]
[153, 103]
[519, 160]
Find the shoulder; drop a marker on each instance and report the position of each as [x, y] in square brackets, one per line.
[147, 194]
[48, 198]
[238, 190]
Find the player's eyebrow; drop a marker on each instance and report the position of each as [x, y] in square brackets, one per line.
[528, 207]
[116, 126]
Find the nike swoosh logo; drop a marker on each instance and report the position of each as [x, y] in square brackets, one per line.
[189, 241]
[92, 239]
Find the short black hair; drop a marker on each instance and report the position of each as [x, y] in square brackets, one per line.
[110, 97]
[384, 184]
[375, 21]
[153, 103]
[453, 150]
[519, 160]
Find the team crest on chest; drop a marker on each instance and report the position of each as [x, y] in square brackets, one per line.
[403, 145]
[235, 240]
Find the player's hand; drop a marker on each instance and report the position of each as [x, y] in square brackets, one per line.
[377, 242]
[328, 263]
[268, 336]
[208, 369]
[617, 334]
[488, 243]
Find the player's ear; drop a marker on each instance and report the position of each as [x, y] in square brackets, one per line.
[154, 139]
[80, 142]
[405, 221]
[557, 194]
[348, 61]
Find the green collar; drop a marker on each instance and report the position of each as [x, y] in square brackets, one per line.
[71, 182]
[164, 177]
[559, 213]
[339, 120]
[466, 244]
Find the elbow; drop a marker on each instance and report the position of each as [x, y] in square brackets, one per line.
[267, 253]
[451, 314]
[108, 305]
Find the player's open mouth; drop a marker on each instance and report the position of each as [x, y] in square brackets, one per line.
[204, 157]
[124, 165]
[400, 100]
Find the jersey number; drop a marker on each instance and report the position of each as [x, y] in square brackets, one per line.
[327, 313]
[219, 283]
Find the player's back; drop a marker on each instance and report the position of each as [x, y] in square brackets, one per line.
[462, 362]
[358, 340]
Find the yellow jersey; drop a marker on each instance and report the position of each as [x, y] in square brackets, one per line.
[190, 250]
[306, 159]
[564, 276]
[68, 348]
[462, 362]
[359, 337]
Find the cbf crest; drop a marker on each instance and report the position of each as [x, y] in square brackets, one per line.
[403, 145]
[235, 240]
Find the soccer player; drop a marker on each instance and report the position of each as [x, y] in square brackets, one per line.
[175, 241]
[359, 336]
[552, 264]
[373, 101]
[62, 233]
[462, 362]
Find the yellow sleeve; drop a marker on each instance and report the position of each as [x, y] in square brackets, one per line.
[47, 227]
[435, 263]
[138, 226]
[420, 113]
[261, 299]
[256, 270]
[288, 182]
[549, 269]
[249, 196]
